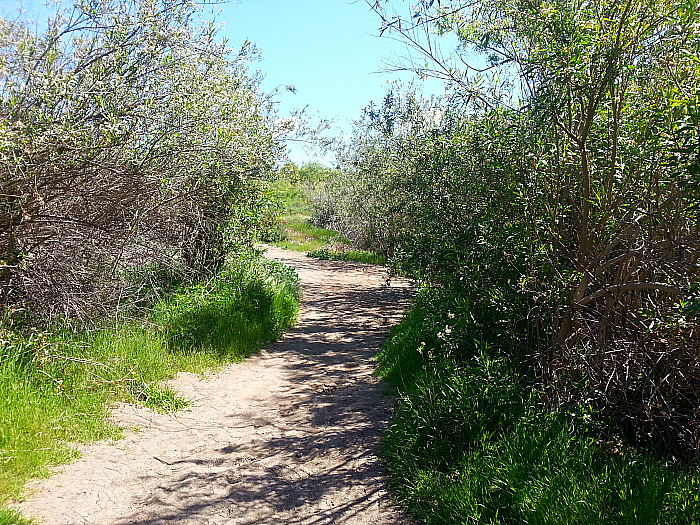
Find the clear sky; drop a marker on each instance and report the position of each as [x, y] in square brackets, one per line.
[328, 49]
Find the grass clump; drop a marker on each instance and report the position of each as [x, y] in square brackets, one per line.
[232, 315]
[158, 397]
[12, 517]
[475, 441]
[301, 236]
[55, 386]
[361, 256]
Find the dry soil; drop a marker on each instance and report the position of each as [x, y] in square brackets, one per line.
[290, 436]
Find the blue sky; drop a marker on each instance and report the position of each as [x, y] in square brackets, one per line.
[328, 49]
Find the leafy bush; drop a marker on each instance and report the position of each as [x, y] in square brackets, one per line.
[130, 135]
[473, 204]
[447, 325]
[572, 214]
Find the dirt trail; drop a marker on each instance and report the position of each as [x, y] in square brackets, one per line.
[290, 436]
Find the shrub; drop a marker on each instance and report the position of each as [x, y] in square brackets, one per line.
[160, 164]
[473, 441]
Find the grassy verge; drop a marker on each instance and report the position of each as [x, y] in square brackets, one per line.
[361, 256]
[55, 386]
[473, 442]
[323, 244]
[294, 230]
[303, 237]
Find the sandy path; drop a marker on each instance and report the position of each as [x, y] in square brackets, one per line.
[290, 436]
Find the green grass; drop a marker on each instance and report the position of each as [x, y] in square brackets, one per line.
[321, 243]
[304, 237]
[292, 197]
[159, 397]
[361, 256]
[295, 231]
[473, 441]
[55, 387]
[11, 517]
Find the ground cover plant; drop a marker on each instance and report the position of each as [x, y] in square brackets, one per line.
[475, 441]
[57, 385]
[361, 256]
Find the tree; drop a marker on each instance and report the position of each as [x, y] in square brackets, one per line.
[607, 95]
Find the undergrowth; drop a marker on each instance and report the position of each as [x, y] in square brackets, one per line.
[297, 228]
[12, 517]
[56, 385]
[294, 230]
[302, 236]
[361, 256]
[474, 441]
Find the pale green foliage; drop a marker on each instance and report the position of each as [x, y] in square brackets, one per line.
[552, 216]
[129, 134]
[368, 200]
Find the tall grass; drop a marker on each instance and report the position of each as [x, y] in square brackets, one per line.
[474, 442]
[55, 386]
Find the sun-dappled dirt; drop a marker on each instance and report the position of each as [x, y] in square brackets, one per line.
[290, 436]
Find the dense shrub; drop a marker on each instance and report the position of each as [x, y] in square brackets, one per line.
[130, 135]
[548, 207]
[474, 441]
[474, 205]
[569, 203]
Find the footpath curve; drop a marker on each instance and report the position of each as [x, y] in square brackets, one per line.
[290, 436]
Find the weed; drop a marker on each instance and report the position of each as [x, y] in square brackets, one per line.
[473, 441]
[158, 397]
[12, 517]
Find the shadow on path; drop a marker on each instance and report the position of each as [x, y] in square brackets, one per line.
[298, 444]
